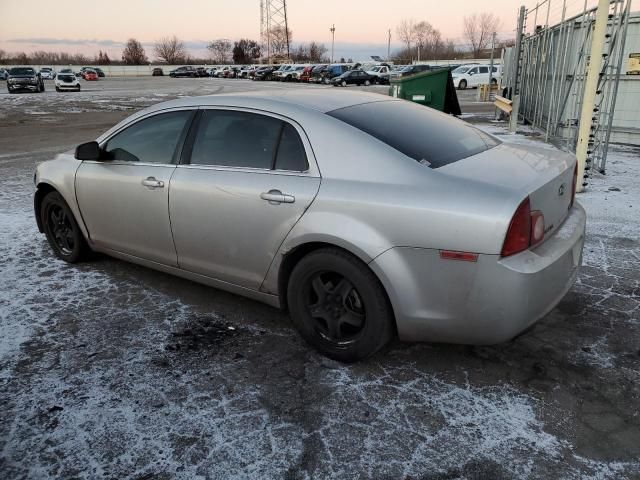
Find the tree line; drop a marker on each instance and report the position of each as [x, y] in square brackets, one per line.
[421, 42]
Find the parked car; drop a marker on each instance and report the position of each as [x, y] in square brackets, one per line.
[220, 73]
[460, 230]
[247, 71]
[380, 73]
[24, 78]
[4, 73]
[182, 72]
[410, 70]
[211, 72]
[264, 73]
[47, 73]
[281, 71]
[89, 74]
[66, 81]
[305, 75]
[157, 72]
[100, 72]
[294, 74]
[333, 71]
[353, 77]
[68, 70]
[201, 72]
[317, 73]
[474, 75]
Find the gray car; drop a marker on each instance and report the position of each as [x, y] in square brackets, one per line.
[420, 225]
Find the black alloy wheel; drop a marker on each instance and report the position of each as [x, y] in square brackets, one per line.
[62, 230]
[339, 306]
[335, 306]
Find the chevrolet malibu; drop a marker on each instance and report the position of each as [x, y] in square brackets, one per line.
[421, 226]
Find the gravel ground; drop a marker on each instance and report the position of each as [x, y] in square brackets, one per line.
[110, 370]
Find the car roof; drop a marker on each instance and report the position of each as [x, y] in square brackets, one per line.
[321, 100]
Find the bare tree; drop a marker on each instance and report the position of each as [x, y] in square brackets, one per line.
[133, 53]
[478, 29]
[317, 52]
[170, 50]
[3, 55]
[220, 50]
[406, 33]
[280, 39]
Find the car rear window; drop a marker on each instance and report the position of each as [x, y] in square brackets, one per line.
[422, 133]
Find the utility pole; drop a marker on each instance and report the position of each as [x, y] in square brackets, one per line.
[333, 39]
[493, 45]
[591, 86]
[389, 46]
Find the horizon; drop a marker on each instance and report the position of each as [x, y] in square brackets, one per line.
[34, 29]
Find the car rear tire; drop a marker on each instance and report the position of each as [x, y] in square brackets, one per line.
[494, 81]
[462, 85]
[62, 231]
[339, 306]
[367, 83]
[344, 84]
[57, 89]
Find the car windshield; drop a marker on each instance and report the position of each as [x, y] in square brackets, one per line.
[22, 71]
[461, 70]
[419, 132]
[407, 69]
[66, 75]
[66, 70]
[45, 69]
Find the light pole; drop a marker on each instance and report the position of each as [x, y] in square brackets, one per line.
[333, 39]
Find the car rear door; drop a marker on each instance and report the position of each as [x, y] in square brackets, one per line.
[482, 78]
[124, 198]
[247, 178]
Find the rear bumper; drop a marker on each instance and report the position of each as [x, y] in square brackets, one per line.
[486, 302]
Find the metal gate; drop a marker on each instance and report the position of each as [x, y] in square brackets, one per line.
[548, 68]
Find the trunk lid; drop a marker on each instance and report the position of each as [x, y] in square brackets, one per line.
[543, 174]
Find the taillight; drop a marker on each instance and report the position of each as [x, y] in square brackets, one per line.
[574, 186]
[526, 229]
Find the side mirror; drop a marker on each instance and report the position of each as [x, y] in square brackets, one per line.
[88, 151]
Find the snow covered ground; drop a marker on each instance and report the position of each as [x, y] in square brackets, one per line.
[109, 370]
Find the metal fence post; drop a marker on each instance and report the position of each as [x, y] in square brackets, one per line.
[590, 88]
[513, 116]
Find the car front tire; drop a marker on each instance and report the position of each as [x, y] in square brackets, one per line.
[462, 85]
[339, 306]
[61, 229]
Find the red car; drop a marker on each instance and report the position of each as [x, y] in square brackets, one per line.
[305, 76]
[90, 75]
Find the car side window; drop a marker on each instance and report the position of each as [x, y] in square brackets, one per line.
[291, 154]
[152, 140]
[236, 139]
[484, 69]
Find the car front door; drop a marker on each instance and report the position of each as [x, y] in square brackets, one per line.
[246, 180]
[124, 197]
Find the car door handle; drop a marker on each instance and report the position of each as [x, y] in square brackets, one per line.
[276, 196]
[151, 182]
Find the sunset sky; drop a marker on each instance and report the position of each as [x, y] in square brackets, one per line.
[361, 26]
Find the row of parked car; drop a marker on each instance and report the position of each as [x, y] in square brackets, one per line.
[338, 74]
[20, 79]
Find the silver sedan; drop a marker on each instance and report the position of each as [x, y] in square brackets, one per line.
[365, 216]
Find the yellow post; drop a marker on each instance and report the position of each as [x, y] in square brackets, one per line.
[591, 84]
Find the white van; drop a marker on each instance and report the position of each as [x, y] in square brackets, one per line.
[473, 75]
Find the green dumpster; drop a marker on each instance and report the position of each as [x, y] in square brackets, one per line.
[433, 89]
